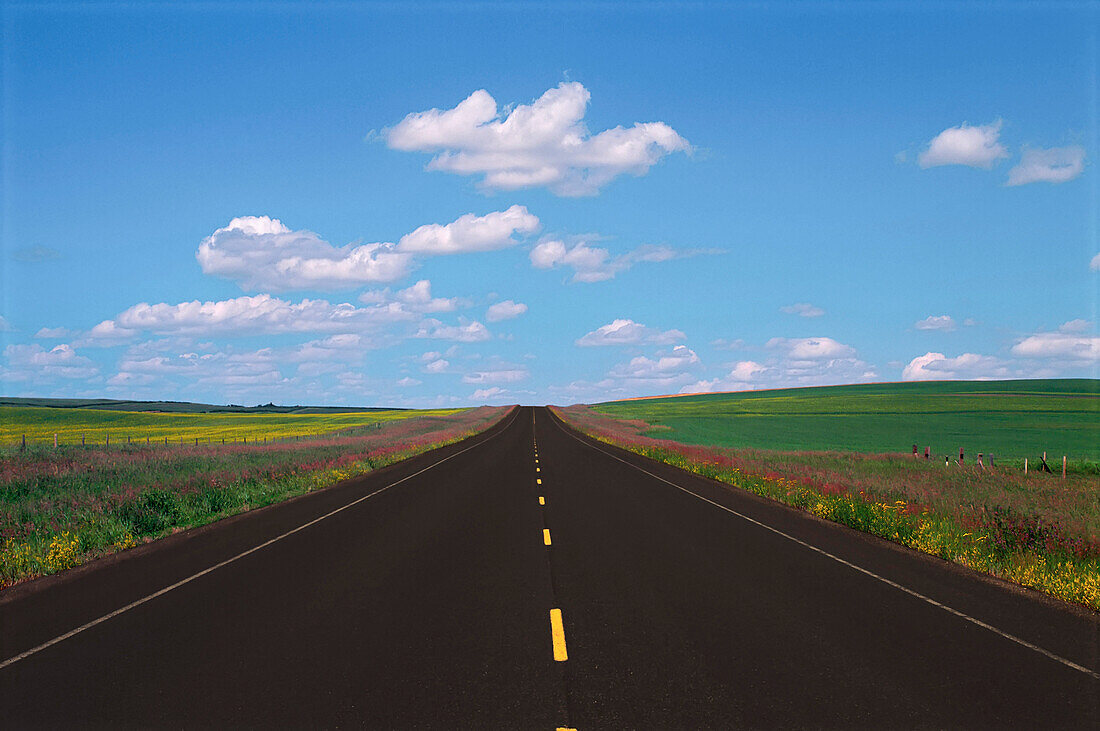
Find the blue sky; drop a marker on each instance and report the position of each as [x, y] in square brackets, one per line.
[242, 203]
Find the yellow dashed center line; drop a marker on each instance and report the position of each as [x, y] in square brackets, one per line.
[546, 536]
[542, 500]
[557, 631]
[537, 480]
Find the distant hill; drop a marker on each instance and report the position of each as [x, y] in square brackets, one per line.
[182, 407]
[1014, 419]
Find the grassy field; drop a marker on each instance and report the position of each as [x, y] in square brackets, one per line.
[1011, 419]
[39, 424]
[61, 507]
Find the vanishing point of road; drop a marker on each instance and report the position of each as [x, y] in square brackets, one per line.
[531, 578]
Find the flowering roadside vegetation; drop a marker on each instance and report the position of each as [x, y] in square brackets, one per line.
[1039, 531]
[62, 507]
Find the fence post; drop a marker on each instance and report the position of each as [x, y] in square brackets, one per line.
[24, 444]
[960, 456]
[1025, 465]
[107, 440]
[1063, 466]
[55, 440]
[82, 440]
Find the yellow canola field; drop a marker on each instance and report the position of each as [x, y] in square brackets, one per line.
[95, 426]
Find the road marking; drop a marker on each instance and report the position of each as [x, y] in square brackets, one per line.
[538, 481]
[542, 500]
[557, 631]
[88, 625]
[849, 564]
[546, 536]
[538, 469]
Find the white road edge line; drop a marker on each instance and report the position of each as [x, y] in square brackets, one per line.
[61, 638]
[872, 574]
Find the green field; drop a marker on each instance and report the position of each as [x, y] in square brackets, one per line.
[72, 424]
[1012, 419]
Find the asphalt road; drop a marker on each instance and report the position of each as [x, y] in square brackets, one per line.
[428, 601]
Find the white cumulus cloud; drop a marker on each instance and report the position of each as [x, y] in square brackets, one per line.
[464, 332]
[628, 332]
[668, 367]
[969, 366]
[1075, 326]
[936, 322]
[471, 233]
[743, 376]
[811, 348]
[261, 253]
[507, 375]
[415, 299]
[802, 309]
[1053, 165]
[813, 361]
[505, 310]
[1094, 265]
[53, 333]
[439, 365]
[36, 364]
[1068, 346]
[488, 394]
[542, 144]
[974, 146]
[596, 264]
[259, 315]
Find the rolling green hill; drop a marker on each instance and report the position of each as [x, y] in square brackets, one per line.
[1012, 419]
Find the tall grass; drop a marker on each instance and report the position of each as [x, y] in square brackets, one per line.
[1040, 531]
[61, 507]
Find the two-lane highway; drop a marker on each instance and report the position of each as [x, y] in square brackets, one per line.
[531, 579]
